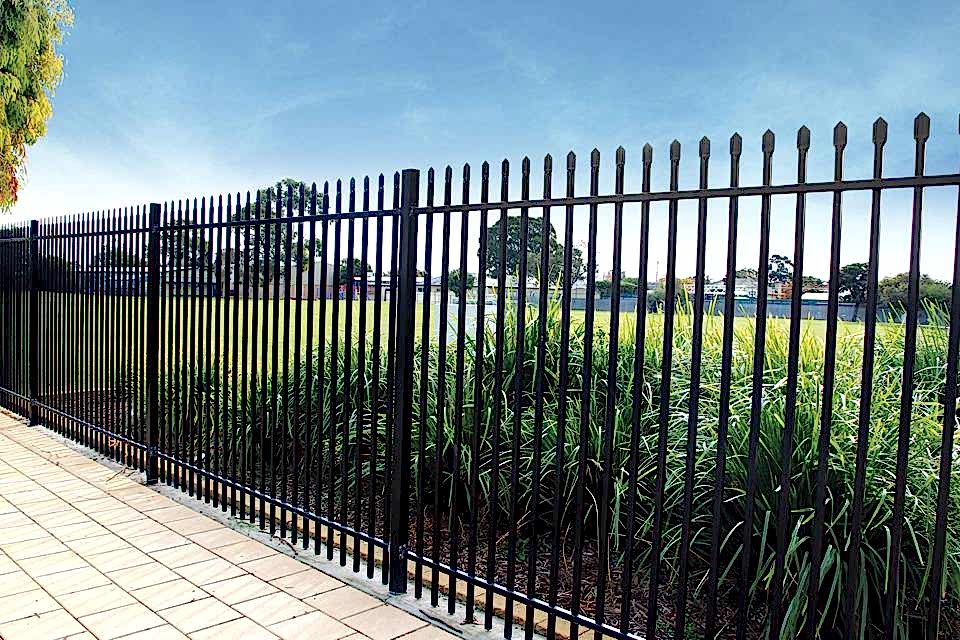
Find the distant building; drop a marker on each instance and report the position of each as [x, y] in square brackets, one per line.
[115, 280]
[742, 288]
[365, 288]
[748, 288]
[266, 290]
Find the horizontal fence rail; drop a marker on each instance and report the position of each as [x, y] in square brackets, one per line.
[450, 395]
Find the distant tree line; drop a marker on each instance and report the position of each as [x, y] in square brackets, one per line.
[892, 291]
[182, 250]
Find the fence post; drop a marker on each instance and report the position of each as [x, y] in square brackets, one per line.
[34, 324]
[153, 346]
[403, 383]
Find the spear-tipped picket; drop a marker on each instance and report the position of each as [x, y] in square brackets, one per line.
[756, 392]
[921, 127]
[736, 148]
[562, 383]
[921, 131]
[946, 444]
[543, 268]
[790, 406]
[880, 131]
[849, 617]
[589, 308]
[693, 403]
[768, 142]
[626, 579]
[478, 388]
[454, 558]
[498, 375]
[736, 145]
[840, 135]
[425, 372]
[666, 373]
[518, 392]
[606, 482]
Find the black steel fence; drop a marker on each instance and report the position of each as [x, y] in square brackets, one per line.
[289, 356]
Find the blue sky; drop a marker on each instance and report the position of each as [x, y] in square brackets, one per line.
[163, 100]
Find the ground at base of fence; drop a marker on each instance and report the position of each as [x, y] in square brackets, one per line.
[87, 552]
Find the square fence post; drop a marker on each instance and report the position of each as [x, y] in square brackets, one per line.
[403, 383]
[34, 324]
[153, 346]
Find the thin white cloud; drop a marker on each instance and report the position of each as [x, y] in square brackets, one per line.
[518, 58]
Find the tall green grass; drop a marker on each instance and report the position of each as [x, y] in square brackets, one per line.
[450, 481]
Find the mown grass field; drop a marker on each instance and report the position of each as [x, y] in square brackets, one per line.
[184, 318]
